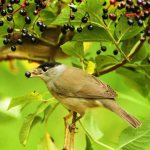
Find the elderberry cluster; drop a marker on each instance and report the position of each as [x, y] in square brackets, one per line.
[11, 8]
[84, 20]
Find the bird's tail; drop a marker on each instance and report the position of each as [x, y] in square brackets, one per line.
[113, 106]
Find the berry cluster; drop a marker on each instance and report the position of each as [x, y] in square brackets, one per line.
[104, 48]
[84, 20]
[8, 10]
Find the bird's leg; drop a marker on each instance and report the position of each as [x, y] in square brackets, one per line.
[72, 130]
[66, 130]
[72, 125]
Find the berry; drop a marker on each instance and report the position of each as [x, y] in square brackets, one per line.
[112, 2]
[98, 52]
[79, 29]
[27, 20]
[115, 52]
[3, 12]
[33, 39]
[105, 10]
[66, 26]
[103, 48]
[1, 22]
[12, 1]
[27, 3]
[39, 23]
[130, 22]
[90, 27]
[10, 9]
[19, 41]
[9, 17]
[148, 32]
[146, 13]
[24, 30]
[112, 17]
[104, 3]
[130, 2]
[13, 47]
[3, 1]
[37, 1]
[63, 30]
[24, 35]
[84, 19]
[71, 27]
[6, 41]
[23, 12]
[17, 1]
[30, 35]
[10, 29]
[35, 12]
[43, 28]
[74, 9]
[140, 22]
[28, 74]
[139, 2]
[105, 16]
[148, 60]
[72, 17]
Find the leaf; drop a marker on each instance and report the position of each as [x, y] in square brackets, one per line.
[88, 144]
[136, 79]
[73, 49]
[139, 139]
[29, 121]
[98, 34]
[34, 96]
[91, 127]
[46, 143]
[104, 62]
[124, 31]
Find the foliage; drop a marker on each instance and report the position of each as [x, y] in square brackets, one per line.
[100, 37]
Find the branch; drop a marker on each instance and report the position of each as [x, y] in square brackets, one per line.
[124, 61]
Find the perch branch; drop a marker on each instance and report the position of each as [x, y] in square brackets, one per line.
[124, 61]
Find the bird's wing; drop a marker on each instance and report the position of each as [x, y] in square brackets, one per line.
[80, 84]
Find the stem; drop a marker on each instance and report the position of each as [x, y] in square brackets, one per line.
[134, 50]
[72, 132]
[98, 142]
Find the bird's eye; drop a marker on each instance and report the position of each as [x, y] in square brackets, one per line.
[44, 69]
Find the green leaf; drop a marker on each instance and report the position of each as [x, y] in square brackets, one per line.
[124, 31]
[73, 49]
[29, 121]
[103, 62]
[136, 79]
[98, 34]
[88, 144]
[46, 143]
[136, 139]
[34, 96]
[91, 126]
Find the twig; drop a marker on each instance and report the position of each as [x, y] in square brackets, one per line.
[72, 131]
[66, 138]
[124, 61]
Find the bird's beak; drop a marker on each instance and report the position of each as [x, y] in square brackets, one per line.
[33, 73]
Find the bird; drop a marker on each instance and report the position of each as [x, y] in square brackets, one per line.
[79, 91]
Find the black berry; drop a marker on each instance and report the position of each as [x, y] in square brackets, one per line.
[140, 22]
[9, 17]
[115, 52]
[105, 16]
[103, 48]
[10, 29]
[23, 12]
[90, 27]
[6, 41]
[98, 52]
[33, 39]
[71, 27]
[74, 9]
[66, 26]
[19, 41]
[27, 20]
[39, 23]
[130, 22]
[24, 30]
[84, 19]
[3, 12]
[28, 74]
[1, 22]
[72, 17]
[79, 29]
[10, 9]
[112, 17]
[13, 47]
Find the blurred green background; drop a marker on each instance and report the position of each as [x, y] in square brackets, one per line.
[14, 83]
